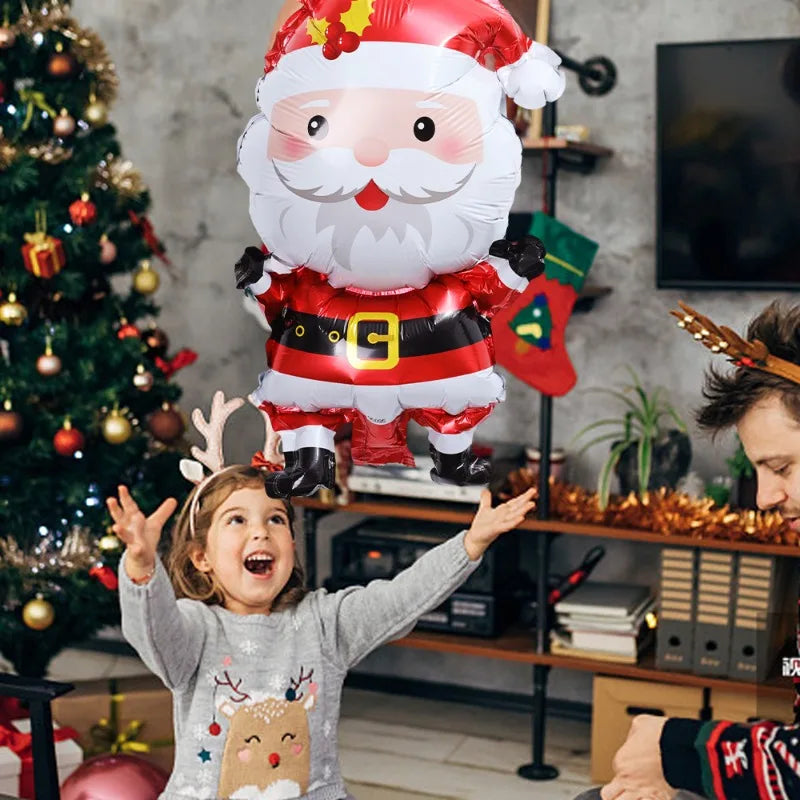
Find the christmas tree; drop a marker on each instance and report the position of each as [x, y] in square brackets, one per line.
[86, 400]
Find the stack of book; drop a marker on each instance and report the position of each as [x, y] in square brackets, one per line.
[604, 621]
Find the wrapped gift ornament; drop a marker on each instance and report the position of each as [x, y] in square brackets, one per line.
[43, 255]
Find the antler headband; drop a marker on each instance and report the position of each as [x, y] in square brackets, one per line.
[212, 457]
[741, 352]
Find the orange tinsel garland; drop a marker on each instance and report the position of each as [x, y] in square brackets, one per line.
[662, 511]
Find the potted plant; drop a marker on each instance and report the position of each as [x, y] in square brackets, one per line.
[644, 454]
[743, 472]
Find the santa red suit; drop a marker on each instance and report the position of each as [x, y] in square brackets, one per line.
[380, 358]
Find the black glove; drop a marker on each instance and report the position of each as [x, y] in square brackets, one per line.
[250, 267]
[525, 257]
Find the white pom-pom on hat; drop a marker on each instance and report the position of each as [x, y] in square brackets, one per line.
[534, 79]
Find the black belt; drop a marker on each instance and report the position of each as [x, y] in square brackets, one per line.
[421, 336]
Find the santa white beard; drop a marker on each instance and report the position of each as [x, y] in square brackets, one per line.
[440, 217]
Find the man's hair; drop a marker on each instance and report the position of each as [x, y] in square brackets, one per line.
[730, 395]
[187, 580]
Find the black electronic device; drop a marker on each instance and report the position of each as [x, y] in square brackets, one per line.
[383, 547]
[728, 171]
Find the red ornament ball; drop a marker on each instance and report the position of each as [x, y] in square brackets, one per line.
[348, 42]
[166, 425]
[108, 250]
[63, 65]
[11, 424]
[118, 777]
[68, 440]
[83, 211]
[126, 330]
[214, 729]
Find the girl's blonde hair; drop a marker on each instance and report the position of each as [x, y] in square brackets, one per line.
[190, 582]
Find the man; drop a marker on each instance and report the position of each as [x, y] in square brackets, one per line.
[761, 399]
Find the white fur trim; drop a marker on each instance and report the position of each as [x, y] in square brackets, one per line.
[534, 79]
[382, 404]
[261, 285]
[384, 65]
[451, 443]
[507, 275]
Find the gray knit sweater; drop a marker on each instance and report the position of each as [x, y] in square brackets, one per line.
[256, 697]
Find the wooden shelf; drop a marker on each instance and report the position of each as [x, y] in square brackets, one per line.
[462, 515]
[517, 645]
[554, 143]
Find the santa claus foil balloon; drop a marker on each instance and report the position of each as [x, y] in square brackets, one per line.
[381, 170]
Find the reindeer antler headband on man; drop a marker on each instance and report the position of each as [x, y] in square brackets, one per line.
[741, 352]
[212, 457]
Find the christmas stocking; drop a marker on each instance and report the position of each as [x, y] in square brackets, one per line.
[529, 333]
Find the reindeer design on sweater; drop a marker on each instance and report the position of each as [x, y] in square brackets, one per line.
[267, 750]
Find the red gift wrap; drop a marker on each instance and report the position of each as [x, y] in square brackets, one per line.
[43, 254]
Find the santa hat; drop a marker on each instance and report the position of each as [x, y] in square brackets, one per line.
[470, 47]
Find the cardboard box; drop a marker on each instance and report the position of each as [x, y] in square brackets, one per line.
[69, 756]
[142, 699]
[616, 701]
[750, 707]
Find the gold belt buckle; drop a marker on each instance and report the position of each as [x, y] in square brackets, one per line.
[392, 339]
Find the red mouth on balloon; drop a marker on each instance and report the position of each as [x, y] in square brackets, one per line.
[371, 198]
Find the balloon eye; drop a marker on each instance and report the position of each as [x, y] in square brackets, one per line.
[424, 129]
[318, 127]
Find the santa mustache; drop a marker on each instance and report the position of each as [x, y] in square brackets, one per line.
[408, 176]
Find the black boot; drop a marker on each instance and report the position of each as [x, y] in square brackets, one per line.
[306, 470]
[462, 469]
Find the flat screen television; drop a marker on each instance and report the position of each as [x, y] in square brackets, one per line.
[728, 165]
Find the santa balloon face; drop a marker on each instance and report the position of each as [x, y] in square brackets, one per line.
[379, 188]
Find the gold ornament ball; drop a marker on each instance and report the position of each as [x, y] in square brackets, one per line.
[116, 428]
[63, 124]
[7, 37]
[109, 542]
[38, 614]
[12, 312]
[146, 280]
[96, 114]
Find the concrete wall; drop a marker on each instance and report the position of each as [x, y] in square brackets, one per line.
[187, 73]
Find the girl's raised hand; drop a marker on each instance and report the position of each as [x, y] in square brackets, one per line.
[139, 533]
[488, 523]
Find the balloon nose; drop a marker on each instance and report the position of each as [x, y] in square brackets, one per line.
[274, 759]
[371, 152]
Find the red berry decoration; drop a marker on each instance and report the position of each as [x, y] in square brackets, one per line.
[331, 51]
[348, 42]
[83, 211]
[214, 729]
[334, 31]
[68, 440]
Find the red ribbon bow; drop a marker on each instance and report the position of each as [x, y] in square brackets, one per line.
[149, 235]
[106, 576]
[259, 461]
[22, 744]
[180, 360]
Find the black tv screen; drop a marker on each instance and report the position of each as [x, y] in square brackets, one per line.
[728, 165]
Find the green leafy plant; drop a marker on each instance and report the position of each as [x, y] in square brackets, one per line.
[640, 425]
[739, 465]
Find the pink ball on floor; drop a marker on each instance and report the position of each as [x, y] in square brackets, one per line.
[120, 777]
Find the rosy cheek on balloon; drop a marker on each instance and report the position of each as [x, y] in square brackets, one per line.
[451, 149]
[297, 749]
[245, 754]
[285, 147]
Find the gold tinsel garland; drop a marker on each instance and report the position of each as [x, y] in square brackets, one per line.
[51, 152]
[87, 46]
[662, 511]
[76, 552]
[115, 172]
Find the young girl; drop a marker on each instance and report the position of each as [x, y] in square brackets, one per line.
[254, 661]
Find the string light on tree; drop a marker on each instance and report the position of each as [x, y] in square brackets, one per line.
[146, 280]
[38, 614]
[48, 364]
[68, 440]
[12, 312]
[117, 429]
[11, 424]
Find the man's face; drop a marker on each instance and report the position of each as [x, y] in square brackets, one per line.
[382, 189]
[771, 439]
